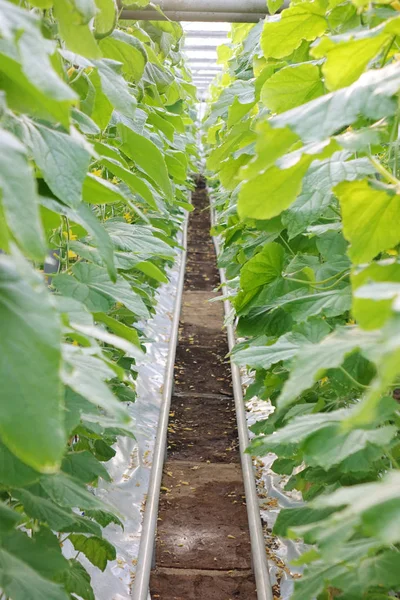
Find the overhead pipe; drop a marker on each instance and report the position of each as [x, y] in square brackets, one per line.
[192, 16]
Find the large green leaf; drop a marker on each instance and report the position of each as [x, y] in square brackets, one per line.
[147, 157]
[371, 96]
[292, 86]
[18, 580]
[304, 21]
[98, 550]
[263, 268]
[92, 285]
[368, 215]
[312, 362]
[19, 196]
[316, 193]
[106, 18]
[73, 22]
[63, 160]
[76, 580]
[31, 408]
[119, 49]
[348, 55]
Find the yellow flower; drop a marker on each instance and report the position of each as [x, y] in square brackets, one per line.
[392, 252]
[324, 380]
[71, 71]
[75, 343]
[71, 236]
[395, 4]
[115, 180]
[97, 172]
[72, 254]
[128, 217]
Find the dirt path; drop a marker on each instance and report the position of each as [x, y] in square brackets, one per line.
[203, 544]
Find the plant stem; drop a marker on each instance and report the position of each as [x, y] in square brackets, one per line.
[383, 171]
[361, 385]
[287, 245]
[389, 46]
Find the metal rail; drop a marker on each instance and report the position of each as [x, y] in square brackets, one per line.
[212, 17]
[258, 552]
[140, 589]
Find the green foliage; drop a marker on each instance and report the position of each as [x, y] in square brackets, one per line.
[306, 190]
[96, 143]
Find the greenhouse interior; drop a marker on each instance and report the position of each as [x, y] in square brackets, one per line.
[199, 300]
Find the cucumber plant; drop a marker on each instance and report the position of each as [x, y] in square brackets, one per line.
[96, 141]
[302, 134]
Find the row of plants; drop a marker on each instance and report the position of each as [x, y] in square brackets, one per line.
[303, 157]
[96, 141]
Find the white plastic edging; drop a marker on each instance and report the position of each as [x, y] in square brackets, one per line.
[258, 551]
[140, 589]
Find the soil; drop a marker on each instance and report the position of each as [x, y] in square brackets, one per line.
[203, 544]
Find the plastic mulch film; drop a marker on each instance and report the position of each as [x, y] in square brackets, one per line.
[273, 498]
[130, 468]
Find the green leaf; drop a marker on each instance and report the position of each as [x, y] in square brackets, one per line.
[292, 86]
[84, 466]
[13, 472]
[68, 492]
[73, 18]
[371, 308]
[138, 239]
[136, 183]
[105, 19]
[368, 215]
[151, 271]
[63, 160]
[85, 217]
[96, 549]
[275, 189]
[59, 519]
[380, 569]
[347, 56]
[101, 191]
[147, 157]
[19, 581]
[123, 331]
[316, 193]
[76, 580]
[265, 356]
[313, 360]
[31, 425]
[41, 551]
[8, 518]
[371, 96]
[119, 49]
[330, 447]
[18, 196]
[304, 21]
[91, 285]
[263, 268]
[274, 6]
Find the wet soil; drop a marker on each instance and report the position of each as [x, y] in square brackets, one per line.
[203, 543]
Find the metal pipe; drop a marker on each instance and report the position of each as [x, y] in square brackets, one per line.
[259, 555]
[198, 47]
[140, 589]
[204, 33]
[224, 6]
[204, 17]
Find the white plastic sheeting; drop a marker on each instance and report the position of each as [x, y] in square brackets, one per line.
[130, 468]
[273, 498]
